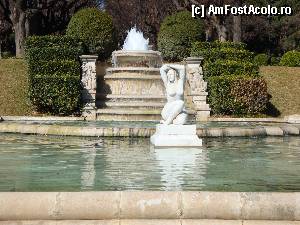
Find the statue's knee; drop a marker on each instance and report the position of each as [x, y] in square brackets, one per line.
[180, 103]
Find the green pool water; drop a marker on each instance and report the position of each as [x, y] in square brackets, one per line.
[40, 163]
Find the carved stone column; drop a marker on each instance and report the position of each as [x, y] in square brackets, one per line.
[89, 85]
[198, 88]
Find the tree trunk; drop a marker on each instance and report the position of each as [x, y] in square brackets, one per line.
[237, 28]
[219, 24]
[237, 25]
[20, 34]
[222, 32]
[0, 50]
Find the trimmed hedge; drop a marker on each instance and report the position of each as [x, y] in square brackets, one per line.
[177, 33]
[218, 44]
[214, 51]
[55, 67]
[230, 67]
[55, 94]
[96, 29]
[52, 41]
[50, 53]
[291, 59]
[261, 59]
[237, 95]
[234, 83]
[54, 73]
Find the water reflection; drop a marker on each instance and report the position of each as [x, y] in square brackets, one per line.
[180, 164]
[88, 170]
[40, 163]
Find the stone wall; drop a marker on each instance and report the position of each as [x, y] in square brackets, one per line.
[149, 205]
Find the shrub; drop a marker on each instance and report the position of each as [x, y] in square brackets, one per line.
[48, 53]
[176, 35]
[7, 55]
[291, 59]
[261, 59]
[230, 67]
[216, 50]
[54, 73]
[55, 94]
[55, 67]
[237, 95]
[52, 41]
[275, 61]
[95, 28]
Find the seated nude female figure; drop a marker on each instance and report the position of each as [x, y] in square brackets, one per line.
[174, 111]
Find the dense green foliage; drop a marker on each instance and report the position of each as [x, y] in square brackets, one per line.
[237, 95]
[54, 73]
[261, 59]
[291, 58]
[212, 51]
[230, 67]
[176, 35]
[95, 28]
[234, 83]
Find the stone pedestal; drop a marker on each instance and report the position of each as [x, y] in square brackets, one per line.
[89, 85]
[198, 88]
[176, 136]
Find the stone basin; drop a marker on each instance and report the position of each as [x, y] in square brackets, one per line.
[149, 59]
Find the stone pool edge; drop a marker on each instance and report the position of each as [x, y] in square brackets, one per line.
[147, 205]
[62, 130]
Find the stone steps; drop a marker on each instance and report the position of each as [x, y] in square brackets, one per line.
[131, 104]
[133, 114]
[131, 97]
[137, 70]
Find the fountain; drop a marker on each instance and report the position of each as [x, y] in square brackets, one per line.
[132, 88]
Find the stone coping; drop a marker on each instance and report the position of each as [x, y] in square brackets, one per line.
[63, 130]
[293, 119]
[145, 205]
[150, 222]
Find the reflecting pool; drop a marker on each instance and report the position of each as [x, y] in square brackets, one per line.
[40, 163]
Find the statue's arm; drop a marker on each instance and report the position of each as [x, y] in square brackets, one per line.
[163, 73]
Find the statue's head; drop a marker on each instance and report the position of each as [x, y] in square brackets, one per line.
[172, 75]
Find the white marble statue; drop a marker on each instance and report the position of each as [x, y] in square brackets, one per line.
[174, 111]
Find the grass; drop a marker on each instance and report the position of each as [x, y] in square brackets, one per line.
[284, 87]
[14, 85]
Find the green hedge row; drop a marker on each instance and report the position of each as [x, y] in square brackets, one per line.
[53, 53]
[212, 54]
[52, 41]
[291, 59]
[55, 67]
[237, 95]
[219, 44]
[55, 94]
[54, 73]
[234, 83]
[230, 67]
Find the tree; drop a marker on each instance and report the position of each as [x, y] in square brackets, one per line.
[38, 16]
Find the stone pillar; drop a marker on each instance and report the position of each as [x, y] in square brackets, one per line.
[198, 88]
[89, 85]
